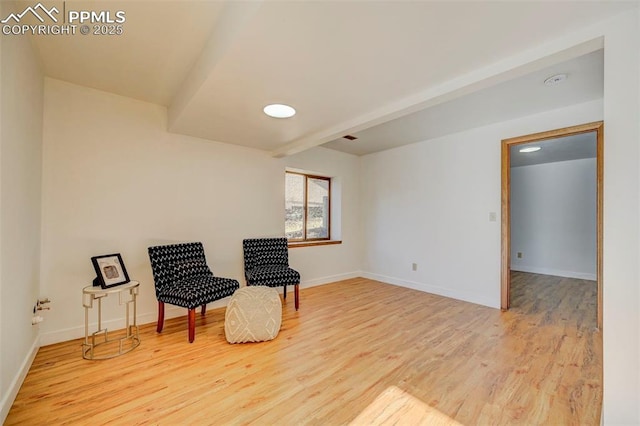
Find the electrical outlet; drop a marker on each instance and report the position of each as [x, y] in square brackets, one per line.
[519, 255]
[414, 266]
[493, 216]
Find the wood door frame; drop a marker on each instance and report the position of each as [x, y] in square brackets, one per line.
[505, 280]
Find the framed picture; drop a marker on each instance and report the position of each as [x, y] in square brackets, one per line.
[110, 270]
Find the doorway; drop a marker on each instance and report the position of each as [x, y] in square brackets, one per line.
[507, 144]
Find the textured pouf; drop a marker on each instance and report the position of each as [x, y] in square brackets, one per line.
[254, 314]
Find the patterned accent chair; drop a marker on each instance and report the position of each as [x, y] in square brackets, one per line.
[266, 262]
[182, 278]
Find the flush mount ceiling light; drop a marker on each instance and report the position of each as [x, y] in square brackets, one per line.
[279, 111]
[555, 79]
[530, 149]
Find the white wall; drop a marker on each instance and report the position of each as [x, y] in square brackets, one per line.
[21, 84]
[621, 334]
[116, 181]
[638, 133]
[429, 203]
[553, 218]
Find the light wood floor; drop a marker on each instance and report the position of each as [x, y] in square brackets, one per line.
[357, 351]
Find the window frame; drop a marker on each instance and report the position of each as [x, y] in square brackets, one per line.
[307, 176]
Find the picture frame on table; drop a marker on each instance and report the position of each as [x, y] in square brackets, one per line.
[110, 270]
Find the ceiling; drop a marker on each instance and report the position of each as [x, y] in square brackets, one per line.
[345, 66]
[514, 98]
[574, 147]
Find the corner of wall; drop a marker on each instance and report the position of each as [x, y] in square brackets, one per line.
[21, 114]
[13, 389]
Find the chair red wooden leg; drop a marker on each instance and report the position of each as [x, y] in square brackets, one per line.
[203, 311]
[297, 294]
[192, 324]
[160, 317]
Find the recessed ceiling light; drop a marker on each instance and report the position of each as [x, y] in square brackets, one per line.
[279, 111]
[555, 79]
[530, 149]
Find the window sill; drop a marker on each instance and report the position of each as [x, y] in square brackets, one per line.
[314, 243]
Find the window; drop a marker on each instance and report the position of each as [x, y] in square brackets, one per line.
[307, 207]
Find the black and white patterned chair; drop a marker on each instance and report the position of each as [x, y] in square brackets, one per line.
[266, 262]
[183, 278]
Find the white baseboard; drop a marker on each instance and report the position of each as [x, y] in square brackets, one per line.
[478, 299]
[72, 333]
[16, 383]
[330, 279]
[326, 280]
[554, 272]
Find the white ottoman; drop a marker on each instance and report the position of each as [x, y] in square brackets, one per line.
[254, 314]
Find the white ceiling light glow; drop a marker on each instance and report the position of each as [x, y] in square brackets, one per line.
[531, 149]
[555, 79]
[279, 111]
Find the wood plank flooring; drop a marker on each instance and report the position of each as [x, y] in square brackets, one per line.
[357, 351]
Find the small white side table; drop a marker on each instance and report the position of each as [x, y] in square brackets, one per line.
[125, 344]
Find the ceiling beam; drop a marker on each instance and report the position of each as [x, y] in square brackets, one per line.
[507, 69]
[232, 21]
